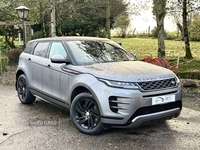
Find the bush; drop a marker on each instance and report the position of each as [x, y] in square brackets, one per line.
[37, 35]
[154, 32]
[13, 55]
[4, 47]
[194, 28]
[3, 64]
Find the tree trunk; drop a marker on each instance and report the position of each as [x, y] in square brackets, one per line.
[108, 19]
[188, 53]
[53, 19]
[42, 22]
[160, 27]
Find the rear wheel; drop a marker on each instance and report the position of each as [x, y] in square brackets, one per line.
[23, 90]
[85, 114]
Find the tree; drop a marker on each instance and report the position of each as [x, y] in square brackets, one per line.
[83, 17]
[92, 18]
[194, 28]
[188, 53]
[185, 7]
[9, 18]
[121, 23]
[108, 7]
[159, 10]
[7, 23]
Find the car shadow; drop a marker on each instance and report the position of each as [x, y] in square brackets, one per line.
[43, 111]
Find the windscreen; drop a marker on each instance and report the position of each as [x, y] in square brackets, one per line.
[90, 52]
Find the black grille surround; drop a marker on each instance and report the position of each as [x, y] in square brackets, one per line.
[158, 84]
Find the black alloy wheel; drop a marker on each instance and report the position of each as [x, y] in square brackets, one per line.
[23, 91]
[85, 114]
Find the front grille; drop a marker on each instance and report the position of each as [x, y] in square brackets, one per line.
[159, 84]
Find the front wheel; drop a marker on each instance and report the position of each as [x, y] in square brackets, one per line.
[23, 90]
[85, 114]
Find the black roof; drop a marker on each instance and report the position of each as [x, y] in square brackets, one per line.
[71, 38]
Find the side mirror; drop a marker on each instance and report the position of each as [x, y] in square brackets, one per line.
[59, 59]
[134, 55]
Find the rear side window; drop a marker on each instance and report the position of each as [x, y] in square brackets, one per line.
[41, 49]
[29, 47]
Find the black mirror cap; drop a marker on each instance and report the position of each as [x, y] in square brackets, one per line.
[59, 59]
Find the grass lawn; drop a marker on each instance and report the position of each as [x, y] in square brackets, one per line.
[147, 47]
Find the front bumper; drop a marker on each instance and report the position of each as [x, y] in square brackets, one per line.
[134, 108]
[150, 118]
[149, 115]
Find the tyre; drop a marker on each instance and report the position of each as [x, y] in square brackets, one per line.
[85, 114]
[23, 90]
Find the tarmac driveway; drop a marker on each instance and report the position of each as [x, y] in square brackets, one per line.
[43, 126]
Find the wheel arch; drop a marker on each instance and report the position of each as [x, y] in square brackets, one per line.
[18, 73]
[78, 90]
[81, 89]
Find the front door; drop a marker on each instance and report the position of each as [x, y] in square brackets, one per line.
[54, 83]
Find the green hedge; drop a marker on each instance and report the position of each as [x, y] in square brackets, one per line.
[13, 56]
[3, 64]
[189, 75]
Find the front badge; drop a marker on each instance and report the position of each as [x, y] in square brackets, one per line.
[163, 99]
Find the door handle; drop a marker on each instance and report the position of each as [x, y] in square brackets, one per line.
[46, 64]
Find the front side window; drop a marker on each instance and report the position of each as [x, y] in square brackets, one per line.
[90, 52]
[57, 49]
[41, 49]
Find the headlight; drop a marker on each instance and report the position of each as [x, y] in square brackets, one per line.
[177, 80]
[119, 84]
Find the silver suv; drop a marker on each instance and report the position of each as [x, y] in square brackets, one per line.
[101, 83]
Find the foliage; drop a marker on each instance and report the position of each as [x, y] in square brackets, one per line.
[189, 69]
[154, 32]
[13, 55]
[37, 34]
[3, 64]
[89, 26]
[88, 17]
[187, 7]
[121, 23]
[171, 36]
[4, 47]
[156, 9]
[7, 18]
[194, 28]
[167, 35]
[83, 17]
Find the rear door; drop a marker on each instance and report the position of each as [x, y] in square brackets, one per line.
[27, 61]
[38, 66]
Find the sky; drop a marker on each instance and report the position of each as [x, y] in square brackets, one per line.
[145, 19]
[142, 23]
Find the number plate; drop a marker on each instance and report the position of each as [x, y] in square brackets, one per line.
[163, 99]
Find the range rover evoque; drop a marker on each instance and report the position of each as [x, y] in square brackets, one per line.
[101, 83]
